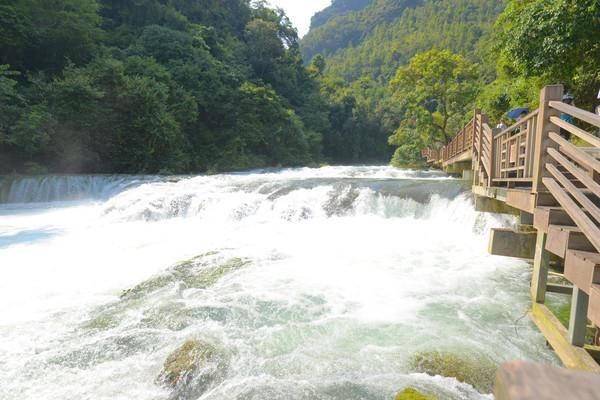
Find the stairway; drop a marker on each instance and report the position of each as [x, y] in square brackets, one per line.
[566, 240]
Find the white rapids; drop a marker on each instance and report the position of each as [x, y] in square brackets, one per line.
[350, 272]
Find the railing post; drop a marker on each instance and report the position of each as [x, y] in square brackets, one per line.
[539, 277]
[478, 130]
[492, 165]
[542, 141]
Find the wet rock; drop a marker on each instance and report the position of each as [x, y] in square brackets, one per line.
[341, 200]
[200, 272]
[191, 369]
[412, 394]
[476, 371]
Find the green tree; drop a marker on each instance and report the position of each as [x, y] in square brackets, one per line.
[438, 88]
[557, 40]
[46, 35]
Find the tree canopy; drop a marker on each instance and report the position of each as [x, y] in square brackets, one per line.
[153, 86]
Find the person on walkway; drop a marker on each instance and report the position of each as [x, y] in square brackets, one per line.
[570, 100]
[520, 118]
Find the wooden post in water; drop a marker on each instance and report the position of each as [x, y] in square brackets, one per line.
[578, 321]
[542, 140]
[541, 261]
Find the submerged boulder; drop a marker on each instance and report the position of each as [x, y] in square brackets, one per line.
[476, 371]
[200, 272]
[412, 394]
[191, 369]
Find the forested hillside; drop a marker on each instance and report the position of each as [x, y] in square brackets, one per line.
[337, 9]
[458, 25]
[431, 62]
[153, 86]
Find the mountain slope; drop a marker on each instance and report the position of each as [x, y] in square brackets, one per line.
[337, 8]
[378, 39]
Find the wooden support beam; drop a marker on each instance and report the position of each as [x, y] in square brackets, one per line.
[525, 218]
[560, 289]
[490, 205]
[521, 199]
[541, 261]
[518, 380]
[578, 321]
[582, 268]
[508, 243]
[556, 335]
[594, 306]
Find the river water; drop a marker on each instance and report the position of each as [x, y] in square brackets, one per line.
[340, 276]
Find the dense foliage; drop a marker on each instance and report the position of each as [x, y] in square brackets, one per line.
[434, 93]
[151, 86]
[509, 50]
[176, 86]
[336, 9]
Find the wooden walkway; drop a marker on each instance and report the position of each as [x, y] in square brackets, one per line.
[555, 184]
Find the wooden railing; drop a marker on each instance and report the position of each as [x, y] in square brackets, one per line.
[571, 173]
[460, 145]
[514, 153]
[525, 154]
[430, 155]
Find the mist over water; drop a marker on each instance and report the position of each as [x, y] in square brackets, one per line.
[342, 275]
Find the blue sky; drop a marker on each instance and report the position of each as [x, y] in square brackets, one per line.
[300, 11]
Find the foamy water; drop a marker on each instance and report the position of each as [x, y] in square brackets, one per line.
[349, 272]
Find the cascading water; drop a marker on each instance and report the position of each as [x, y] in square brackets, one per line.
[324, 284]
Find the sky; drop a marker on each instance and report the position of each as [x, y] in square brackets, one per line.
[300, 11]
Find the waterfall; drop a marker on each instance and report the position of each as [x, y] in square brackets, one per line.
[42, 189]
[313, 283]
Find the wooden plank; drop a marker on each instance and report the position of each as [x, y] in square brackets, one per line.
[578, 318]
[543, 128]
[512, 169]
[586, 225]
[514, 126]
[594, 308]
[521, 199]
[518, 380]
[539, 276]
[544, 216]
[581, 268]
[580, 133]
[556, 335]
[508, 243]
[559, 289]
[587, 180]
[562, 238]
[585, 201]
[578, 113]
[512, 179]
[579, 156]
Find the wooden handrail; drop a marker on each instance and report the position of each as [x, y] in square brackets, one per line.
[517, 124]
[585, 201]
[577, 113]
[580, 133]
[584, 223]
[575, 153]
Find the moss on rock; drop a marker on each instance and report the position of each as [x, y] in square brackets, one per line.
[191, 356]
[191, 369]
[476, 371]
[200, 272]
[412, 394]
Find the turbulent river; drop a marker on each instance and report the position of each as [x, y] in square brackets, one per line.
[325, 283]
